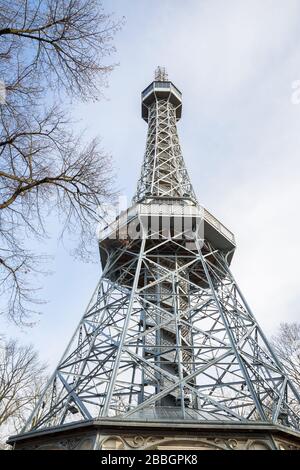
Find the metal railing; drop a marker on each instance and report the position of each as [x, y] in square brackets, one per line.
[161, 85]
[171, 209]
[166, 209]
[217, 225]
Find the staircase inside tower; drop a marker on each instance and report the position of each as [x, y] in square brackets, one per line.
[170, 345]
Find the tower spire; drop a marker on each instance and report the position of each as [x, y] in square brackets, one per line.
[163, 171]
[160, 74]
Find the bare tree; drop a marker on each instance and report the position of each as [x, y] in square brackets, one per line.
[48, 50]
[286, 344]
[22, 376]
[64, 40]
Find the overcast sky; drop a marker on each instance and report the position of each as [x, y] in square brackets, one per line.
[235, 63]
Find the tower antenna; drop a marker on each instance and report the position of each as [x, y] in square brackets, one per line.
[160, 74]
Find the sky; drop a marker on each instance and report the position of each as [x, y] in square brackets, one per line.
[235, 63]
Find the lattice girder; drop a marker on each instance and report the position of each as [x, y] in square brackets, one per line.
[167, 340]
[167, 331]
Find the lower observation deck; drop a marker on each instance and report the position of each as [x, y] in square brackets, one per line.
[213, 230]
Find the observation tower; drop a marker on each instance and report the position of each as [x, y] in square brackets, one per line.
[168, 354]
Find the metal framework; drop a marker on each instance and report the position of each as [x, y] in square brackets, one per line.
[167, 333]
[163, 171]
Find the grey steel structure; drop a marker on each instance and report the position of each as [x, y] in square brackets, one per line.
[167, 334]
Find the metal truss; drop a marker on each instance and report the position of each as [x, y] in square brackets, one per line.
[163, 171]
[168, 330]
[167, 333]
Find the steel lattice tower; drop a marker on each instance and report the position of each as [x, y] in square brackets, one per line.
[167, 334]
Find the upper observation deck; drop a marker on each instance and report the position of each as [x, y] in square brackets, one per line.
[161, 90]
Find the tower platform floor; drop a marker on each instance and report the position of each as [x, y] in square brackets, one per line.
[136, 434]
